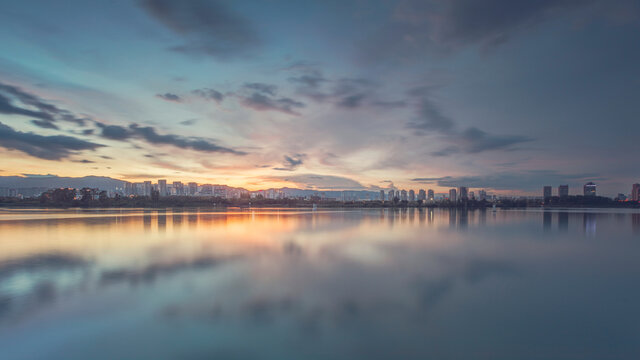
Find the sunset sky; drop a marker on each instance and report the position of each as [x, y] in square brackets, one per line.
[496, 94]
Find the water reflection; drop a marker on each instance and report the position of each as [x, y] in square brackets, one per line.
[370, 284]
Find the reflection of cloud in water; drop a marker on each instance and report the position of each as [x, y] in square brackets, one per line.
[30, 282]
[151, 272]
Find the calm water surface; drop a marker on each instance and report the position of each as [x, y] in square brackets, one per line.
[329, 284]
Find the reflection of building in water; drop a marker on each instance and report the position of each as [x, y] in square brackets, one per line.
[422, 215]
[162, 220]
[430, 215]
[635, 223]
[563, 221]
[482, 217]
[146, 219]
[546, 220]
[452, 217]
[464, 218]
[589, 222]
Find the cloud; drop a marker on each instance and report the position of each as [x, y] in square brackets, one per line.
[475, 140]
[261, 87]
[209, 94]
[44, 124]
[531, 180]
[207, 27]
[291, 162]
[430, 119]
[260, 102]
[188, 122]
[416, 28]
[150, 135]
[33, 106]
[169, 97]
[45, 147]
[321, 182]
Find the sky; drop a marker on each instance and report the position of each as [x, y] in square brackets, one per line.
[498, 94]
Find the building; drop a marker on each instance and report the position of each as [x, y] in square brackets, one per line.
[178, 188]
[381, 195]
[563, 191]
[412, 195]
[206, 190]
[463, 193]
[589, 189]
[430, 195]
[129, 189]
[391, 195]
[482, 195]
[546, 192]
[635, 192]
[472, 195]
[422, 195]
[220, 191]
[193, 188]
[452, 195]
[403, 195]
[147, 188]
[621, 197]
[162, 187]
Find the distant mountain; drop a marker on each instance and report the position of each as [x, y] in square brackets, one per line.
[53, 181]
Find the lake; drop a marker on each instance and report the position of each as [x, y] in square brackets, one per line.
[326, 284]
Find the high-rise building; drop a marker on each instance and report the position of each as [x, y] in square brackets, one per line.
[381, 195]
[422, 195]
[482, 195]
[193, 188]
[546, 192]
[206, 189]
[162, 187]
[129, 189]
[635, 192]
[178, 187]
[563, 190]
[403, 195]
[430, 195]
[453, 195]
[220, 191]
[589, 189]
[147, 188]
[391, 195]
[472, 195]
[463, 193]
[412, 195]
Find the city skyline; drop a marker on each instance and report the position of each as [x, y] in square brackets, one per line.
[388, 95]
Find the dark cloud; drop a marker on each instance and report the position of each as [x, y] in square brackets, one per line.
[45, 124]
[430, 119]
[261, 87]
[32, 106]
[188, 122]
[291, 162]
[207, 27]
[45, 147]
[309, 80]
[169, 97]
[209, 94]
[417, 28]
[84, 161]
[260, 102]
[150, 135]
[475, 140]
[531, 180]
